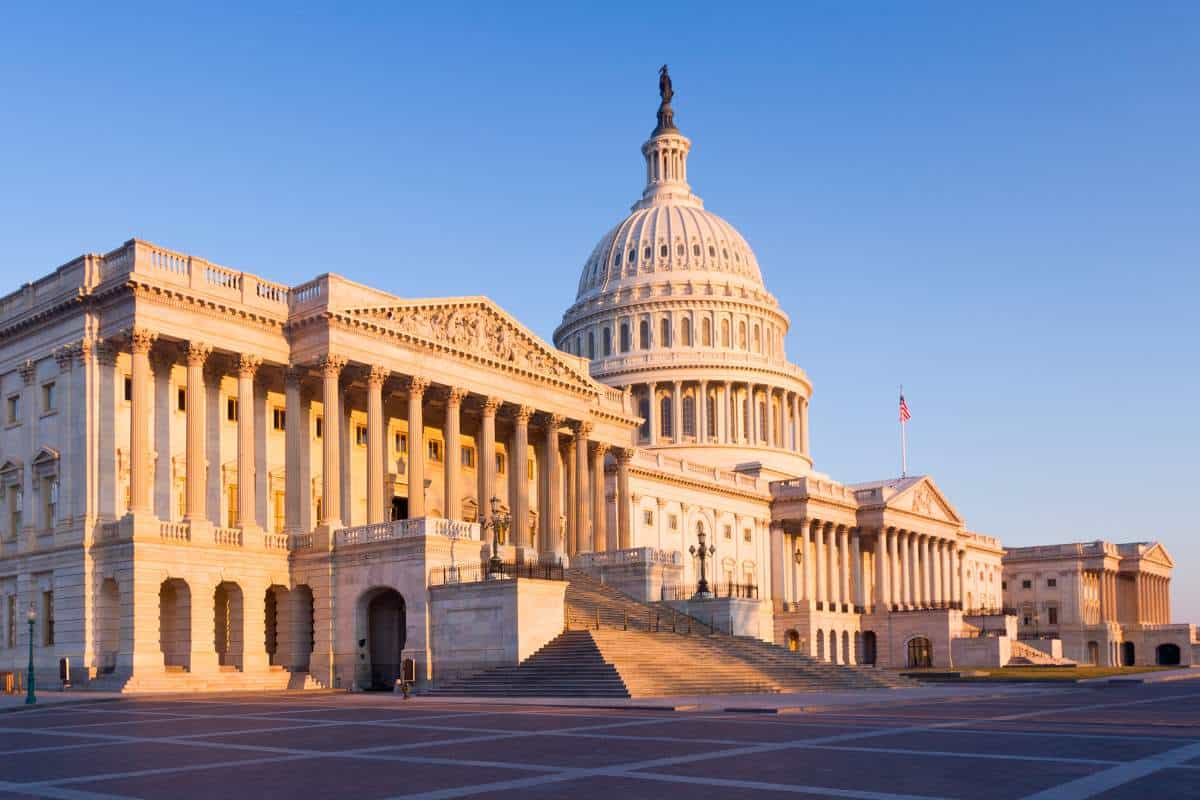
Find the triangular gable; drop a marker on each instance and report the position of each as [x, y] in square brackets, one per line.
[924, 498]
[477, 326]
[10, 466]
[46, 455]
[1158, 554]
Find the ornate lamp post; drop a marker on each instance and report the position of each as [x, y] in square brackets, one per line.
[703, 553]
[30, 697]
[498, 523]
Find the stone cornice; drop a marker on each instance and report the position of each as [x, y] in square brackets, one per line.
[175, 297]
[672, 479]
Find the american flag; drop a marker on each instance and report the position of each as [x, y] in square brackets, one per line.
[905, 416]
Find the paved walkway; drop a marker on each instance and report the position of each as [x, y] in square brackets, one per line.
[1060, 742]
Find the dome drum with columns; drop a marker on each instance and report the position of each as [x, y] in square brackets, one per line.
[672, 308]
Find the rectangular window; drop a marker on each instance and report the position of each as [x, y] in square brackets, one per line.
[501, 464]
[1027, 620]
[747, 535]
[529, 469]
[1026, 584]
[14, 409]
[467, 455]
[231, 409]
[1052, 582]
[673, 522]
[180, 398]
[50, 507]
[231, 517]
[278, 419]
[16, 504]
[360, 435]
[400, 442]
[648, 517]
[11, 626]
[1003, 584]
[49, 397]
[277, 511]
[433, 450]
[47, 619]
[128, 389]
[318, 427]
[728, 531]
[1052, 615]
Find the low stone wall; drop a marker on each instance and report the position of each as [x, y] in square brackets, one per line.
[980, 651]
[496, 623]
[745, 616]
[1051, 647]
[641, 580]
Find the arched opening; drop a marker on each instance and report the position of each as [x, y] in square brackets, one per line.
[276, 611]
[833, 648]
[689, 416]
[1127, 654]
[175, 623]
[644, 335]
[687, 332]
[666, 428]
[920, 653]
[624, 336]
[1167, 655]
[383, 632]
[869, 654]
[228, 616]
[792, 641]
[644, 413]
[1093, 653]
[820, 639]
[847, 656]
[108, 628]
[664, 333]
[706, 332]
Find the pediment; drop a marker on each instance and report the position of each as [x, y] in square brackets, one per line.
[925, 499]
[478, 327]
[10, 466]
[1158, 554]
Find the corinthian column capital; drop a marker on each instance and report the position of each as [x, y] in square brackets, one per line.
[197, 353]
[583, 429]
[247, 365]
[377, 374]
[141, 339]
[417, 385]
[523, 414]
[456, 395]
[331, 365]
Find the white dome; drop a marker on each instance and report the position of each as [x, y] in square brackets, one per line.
[668, 237]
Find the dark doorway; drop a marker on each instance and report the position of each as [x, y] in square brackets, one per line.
[386, 629]
[1167, 655]
[920, 653]
[1127, 654]
[1093, 652]
[399, 508]
[868, 647]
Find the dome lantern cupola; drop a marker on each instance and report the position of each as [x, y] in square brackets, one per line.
[666, 156]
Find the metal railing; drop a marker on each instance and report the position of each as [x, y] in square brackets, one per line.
[990, 612]
[741, 591]
[479, 572]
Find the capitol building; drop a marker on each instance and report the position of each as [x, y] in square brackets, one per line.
[211, 480]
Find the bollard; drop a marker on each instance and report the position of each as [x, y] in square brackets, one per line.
[625, 624]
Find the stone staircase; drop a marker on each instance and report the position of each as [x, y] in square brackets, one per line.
[174, 680]
[1023, 655]
[615, 646]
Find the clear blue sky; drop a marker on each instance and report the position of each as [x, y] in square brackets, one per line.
[995, 206]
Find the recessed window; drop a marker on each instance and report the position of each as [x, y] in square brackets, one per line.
[663, 252]
[49, 397]
[433, 450]
[747, 535]
[617, 260]
[679, 251]
[1052, 582]
[728, 531]
[128, 389]
[712, 251]
[673, 522]
[648, 253]
[1052, 615]
[181, 399]
[501, 464]
[13, 406]
[725, 253]
[1026, 584]
[633, 256]
[467, 456]
[1003, 584]
[360, 435]
[648, 517]
[625, 337]
[231, 409]
[47, 619]
[278, 419]
[318, 427]
[696, 250]
[400, 442]
[606, 338]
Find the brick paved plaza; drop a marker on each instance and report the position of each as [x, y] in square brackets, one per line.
[1137, 741]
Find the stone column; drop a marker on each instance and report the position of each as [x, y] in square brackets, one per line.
[677, 411]
[795, 421]
[779, 566]
[520, 468]
[652, 410]
[947, 575]
[856, 556]
[624, 512]
[416, 447]
[582, 539]
[1139, 585]
[376, 376]
[809, 564]
[883, 600]
[141, 340]
[702, 413]
[331, 462]
[570, 506]
[820, 548]
[769, 422]
[804, 426]
[936, 560]
[958, 577]
[599, 504]
[452, 467]
[486, 467]
[903, 597]
[294, 431]
[834, 598]
[196, 467]
[844, 551]
[247, 367]
[552, 542]
[727, 413]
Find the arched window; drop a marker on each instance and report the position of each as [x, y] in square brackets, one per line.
[762, 420]
[666, 428]
[742, 335]
[724, 333]
[644, 413]
[679, 251]
[664, 335]
[578, 345]
[632, 256]
[606, 341]
[706, 332]
[644, 335]
[663, 252]
[687, 332]
[591, 344]
[711, 417]
[696, 250]
[689, 416]
[757, 339]
[747, 408]
[617, 259]
[648, 253]
[920, 653]
[624, 337]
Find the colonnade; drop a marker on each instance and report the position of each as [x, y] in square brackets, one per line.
[723, 412]
[1153, 598]
[571, 515]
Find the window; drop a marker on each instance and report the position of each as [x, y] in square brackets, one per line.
[757, 339]
[687, 332]
[501, 464]
[665, 332]
[606, 338]
[617, 260]
[360, 435]
[231, 505]
[1026, 584]
[49, 397]
[1004, 584]
[706, 332]
[742, 335]
[14, 409]
[666, 428]
[1052, 582]
[747, 535]
[1026, 619]
[625, 337]
[648, 253]
[728, 531]
[278, 419]
[696, 250]
[1052, 615]
[181, 399]
[48, 619]
[679, 250]
[689, 416]
[11, 625]
[433, 450]
[278, 504]
[16, 507]
[724, 333]
[644, 413]
[632, 257]
[318, 427]
[467, 456]
[591, 344]
[49, 503]
[400, 442]
[662, 251]
[578, 345]
[711, 418]
[128, 389]
[648, 517]
[231, 409]
[673, 521]
[712, 251]
[644, 335]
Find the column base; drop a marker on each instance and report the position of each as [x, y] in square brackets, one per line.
[203, 662]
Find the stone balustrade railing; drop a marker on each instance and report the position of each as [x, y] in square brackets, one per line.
[632, 555]
[227, 537]
[697, 356]
[406, 528]
[276, 541]
[174, 531]
[109, 531]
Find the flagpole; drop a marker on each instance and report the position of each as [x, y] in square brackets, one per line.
[903, 441]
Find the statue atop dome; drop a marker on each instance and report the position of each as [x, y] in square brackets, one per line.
[666, 115]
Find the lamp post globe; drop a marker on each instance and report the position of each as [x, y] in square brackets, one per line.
[703, 553]
[499, 524]
[30, 696]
